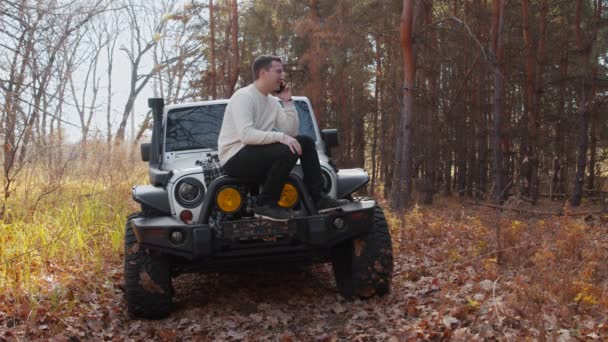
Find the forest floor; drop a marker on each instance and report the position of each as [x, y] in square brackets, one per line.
[548, 280]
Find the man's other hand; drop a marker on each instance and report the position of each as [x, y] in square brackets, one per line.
[293, 144]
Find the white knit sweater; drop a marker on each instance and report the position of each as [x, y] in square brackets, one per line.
[252, 118]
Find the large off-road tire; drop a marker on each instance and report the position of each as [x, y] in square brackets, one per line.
[363, 267]
[148, 289]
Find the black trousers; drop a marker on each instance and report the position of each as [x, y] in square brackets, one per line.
[272, 164]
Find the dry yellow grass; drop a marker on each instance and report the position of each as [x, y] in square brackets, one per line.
[62, 225]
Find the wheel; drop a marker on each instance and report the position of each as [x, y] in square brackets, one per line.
[148, 289]
[363, 267]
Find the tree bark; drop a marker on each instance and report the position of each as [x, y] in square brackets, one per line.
[559, 169]
[497, 51]
[402, 176]
[213, 73]
[592, 151]
[110, 55]
[529, 166]
[234, 47]
[377, 111]
[586, 96]
[315, 86]
[430, 119]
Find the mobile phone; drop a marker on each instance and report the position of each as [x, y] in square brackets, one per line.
[281, 88]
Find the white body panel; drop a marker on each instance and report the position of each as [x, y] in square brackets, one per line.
[183, 163]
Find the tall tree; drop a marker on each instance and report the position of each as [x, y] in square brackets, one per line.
[143, 44]
[313, 59]
[497, 53]
[402, 177]
[530, 159]
[586, 91]
[233, 75]
[212, 72]
[111, 31]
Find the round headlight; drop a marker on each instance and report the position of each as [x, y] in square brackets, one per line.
[289, 196]
[229, 200]
[189, 192]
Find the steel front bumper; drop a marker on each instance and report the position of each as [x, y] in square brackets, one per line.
[250, 237]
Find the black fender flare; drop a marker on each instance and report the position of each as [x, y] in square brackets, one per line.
[350, 180]
[152, 197]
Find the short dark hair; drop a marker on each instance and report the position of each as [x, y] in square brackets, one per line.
[263, 62]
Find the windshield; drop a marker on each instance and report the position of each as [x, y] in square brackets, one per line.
[199, 127]
[194, 127]
[306, 124]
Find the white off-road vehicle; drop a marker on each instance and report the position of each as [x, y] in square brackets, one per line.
[194, 218]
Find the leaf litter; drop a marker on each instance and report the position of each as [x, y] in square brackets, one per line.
[447, 286]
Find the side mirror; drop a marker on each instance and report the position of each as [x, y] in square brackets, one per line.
[331, 139]
[330, 136]
[145, 152]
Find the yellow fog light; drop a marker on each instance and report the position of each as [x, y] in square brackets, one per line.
[289, 196]
[229, 200]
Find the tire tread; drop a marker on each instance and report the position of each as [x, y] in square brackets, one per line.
[142, 303]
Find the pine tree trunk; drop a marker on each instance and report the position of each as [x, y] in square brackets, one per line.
[559, 169]
[377, 109]
[529, 163]
[586, 96]
[402, 176]
[213, 73]
[592, 151]
[234, 47]
[497, 54]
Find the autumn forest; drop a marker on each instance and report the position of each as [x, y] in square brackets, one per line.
[483, 125]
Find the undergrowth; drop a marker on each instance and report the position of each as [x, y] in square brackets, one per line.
[63, 228]
[547, 271]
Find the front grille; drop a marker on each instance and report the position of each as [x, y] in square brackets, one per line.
[256, 229]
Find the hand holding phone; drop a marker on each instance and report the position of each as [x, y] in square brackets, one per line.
[281, 88]
[284, 92]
